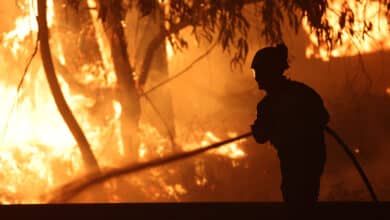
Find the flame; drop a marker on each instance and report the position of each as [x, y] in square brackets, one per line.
[37, 151]
[375, 40]
[26, 158]
[388, 91]
[232, 150]
[169, 50]
[26, 26]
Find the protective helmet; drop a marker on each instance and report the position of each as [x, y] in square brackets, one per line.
[274, 59]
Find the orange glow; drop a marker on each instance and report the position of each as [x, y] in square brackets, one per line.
[376, 40]
[38, 152]
[102, 40]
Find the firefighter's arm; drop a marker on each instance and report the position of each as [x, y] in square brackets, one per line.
[260, 125]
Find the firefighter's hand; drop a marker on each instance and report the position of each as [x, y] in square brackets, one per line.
[253, 129]
[258, 134]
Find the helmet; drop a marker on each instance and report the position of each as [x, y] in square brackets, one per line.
[272, 59]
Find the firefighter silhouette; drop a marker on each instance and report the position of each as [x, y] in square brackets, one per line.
[293, 118]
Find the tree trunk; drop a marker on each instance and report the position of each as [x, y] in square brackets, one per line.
[86, 152]
[152, 58]
[74, 32]
[127, 92]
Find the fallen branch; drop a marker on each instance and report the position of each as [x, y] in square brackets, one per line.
[70, 190]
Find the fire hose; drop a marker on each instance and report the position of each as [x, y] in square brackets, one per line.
[355, 162]
[71, 189]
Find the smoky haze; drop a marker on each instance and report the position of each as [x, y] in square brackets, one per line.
[212, 97]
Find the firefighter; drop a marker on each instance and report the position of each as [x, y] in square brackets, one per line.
[292, 117]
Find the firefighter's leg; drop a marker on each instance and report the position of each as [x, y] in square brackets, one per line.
[300, 185]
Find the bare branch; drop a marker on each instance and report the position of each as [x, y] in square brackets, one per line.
[157, 41]
[184, 70]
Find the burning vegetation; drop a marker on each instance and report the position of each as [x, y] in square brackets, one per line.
[360, 26]
[109, 56]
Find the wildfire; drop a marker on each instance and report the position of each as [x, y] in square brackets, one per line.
[26, 25]
[37, 150]
[231, 150]
[362, 41]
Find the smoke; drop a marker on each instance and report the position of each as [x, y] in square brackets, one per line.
[8, 13]
[213, 97]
